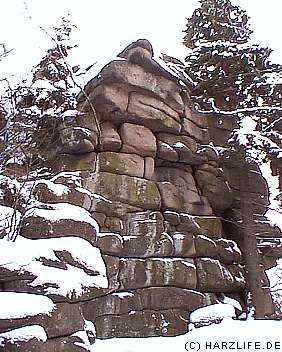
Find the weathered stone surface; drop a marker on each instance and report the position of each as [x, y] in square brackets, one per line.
[49, 192]
[138, 140]
[216, 189]
[112, 208]
[180, 178]
[78, 140]
[50, 222]
[191, 129]
[99, 218]
[113, 271]
[65, 344]
[178, 198]
[216, 277]
[184, 146]
[114, 224]
[259, 203]
[209, 226]
[228, 251]
[258, 184]
[143, 323]
[197, 118]
[145, 235]
[166, 152]
[136, 51]
[210, 169]
[172, 217]
[65, 319]
[144, 247]
[142, 223]
[121, 163]
[85, 120]
[69, 162]
[125, 189]
[178, 141]
[148, 245]
[149, 112]
[149, 168]
[110, 140]
[138, 273]
[153, 298]
[205, 247]
[15, 341]
[183, 244]
[110, 243]
[108, 98]
[136, 76]
[211, 154]
[171, 197]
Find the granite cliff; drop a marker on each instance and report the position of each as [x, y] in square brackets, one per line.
[135, 224]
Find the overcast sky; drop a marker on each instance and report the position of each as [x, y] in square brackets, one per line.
[106, 26]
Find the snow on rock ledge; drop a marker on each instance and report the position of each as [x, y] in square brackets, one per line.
[19, 305]
[58, 220]
[65, 268]
[29, 335]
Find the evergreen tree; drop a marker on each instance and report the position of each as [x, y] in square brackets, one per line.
[235, 78]
[37, 105]
[217, 20]
[232, 77]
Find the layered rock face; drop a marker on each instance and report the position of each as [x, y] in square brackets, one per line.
[147, 173]
[157, 191]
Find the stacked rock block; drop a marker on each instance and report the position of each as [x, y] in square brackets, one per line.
[234, 166]
[50, 268]
[157, 190]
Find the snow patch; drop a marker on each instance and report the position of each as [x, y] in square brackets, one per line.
[23, 334]
[15, 305]
[62, 211]
[217, 310]
[9, 220]
[65, 282]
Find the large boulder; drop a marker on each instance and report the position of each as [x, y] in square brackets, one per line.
[67, 269]
[170, 322]
[138, 140]
[59, 220]
[121, 163]
[138, 273]
[133, 191]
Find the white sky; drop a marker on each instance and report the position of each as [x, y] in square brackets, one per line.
[105, 27]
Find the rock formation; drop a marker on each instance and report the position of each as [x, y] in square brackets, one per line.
[157, 178]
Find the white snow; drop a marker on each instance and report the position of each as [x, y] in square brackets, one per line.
[274, 213]
[212, 311]
[275, 283]
[9, 220]
[83, 336]
[178, 236]
[55, 188]
[72, 281]
[233, 302]
[60, 211]
[123, 295]
[179, 145]
[15, 305]
[234, 333]
[23, 334]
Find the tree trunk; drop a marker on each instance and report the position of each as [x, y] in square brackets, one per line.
[261, 296]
